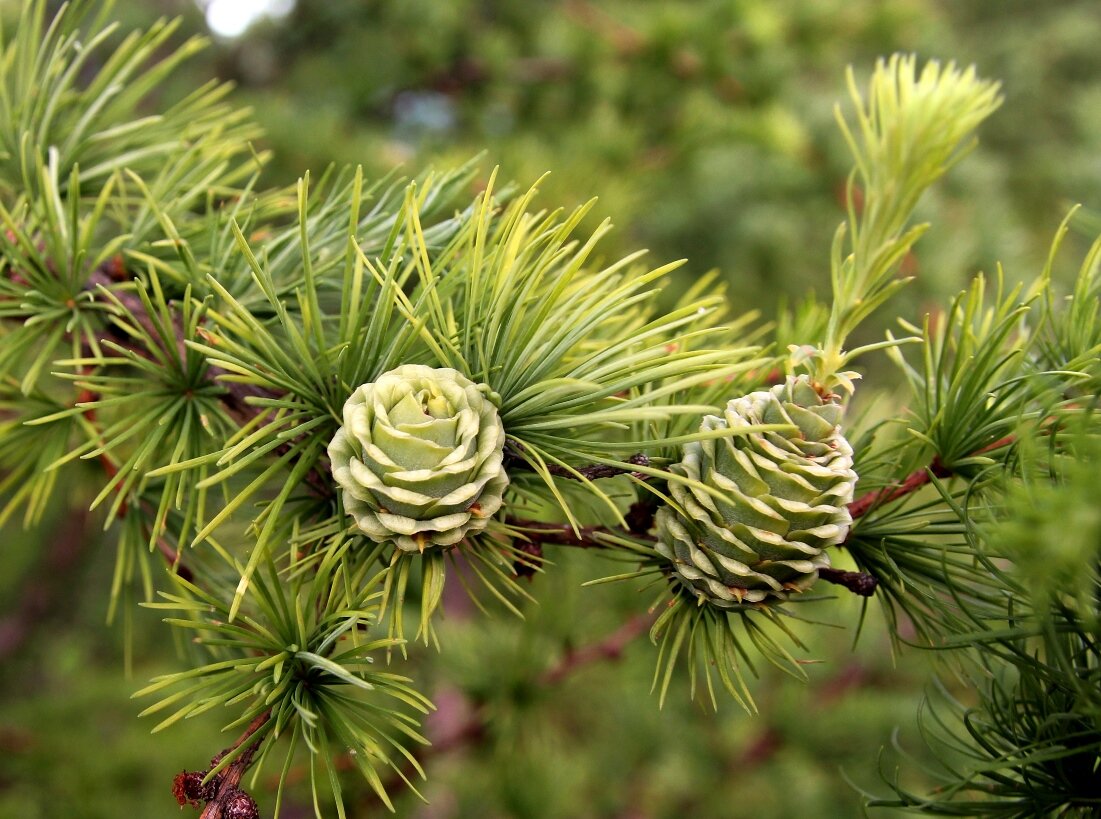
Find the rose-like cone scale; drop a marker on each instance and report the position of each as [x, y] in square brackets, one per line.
[783, 498]
[420, 457]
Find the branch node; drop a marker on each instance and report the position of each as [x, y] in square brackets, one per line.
[861, 583]
[223, 798]
[595, 472]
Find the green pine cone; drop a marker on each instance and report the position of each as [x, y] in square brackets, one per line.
[420, 457]
[785, 499]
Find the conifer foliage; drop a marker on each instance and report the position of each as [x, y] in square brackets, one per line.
[306, 410]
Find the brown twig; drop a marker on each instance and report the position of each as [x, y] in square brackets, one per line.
[595, 472]
[865, 584]
[228, 791]
[222, 793]
[537, 533]
[514, 460]
[860, 583]
[609, 648]
[915, 481]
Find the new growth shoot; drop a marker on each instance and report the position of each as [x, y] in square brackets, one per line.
[909, 130]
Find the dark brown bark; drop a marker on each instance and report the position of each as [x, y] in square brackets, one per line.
[222, 793]
[860, 583]
[610, 648]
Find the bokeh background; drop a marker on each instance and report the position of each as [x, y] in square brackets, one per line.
[706, 127]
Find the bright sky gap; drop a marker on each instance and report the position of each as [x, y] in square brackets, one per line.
[232, 18]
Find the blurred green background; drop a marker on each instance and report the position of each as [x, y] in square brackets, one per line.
[706, 128]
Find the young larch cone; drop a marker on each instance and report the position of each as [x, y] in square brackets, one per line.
[779, 498]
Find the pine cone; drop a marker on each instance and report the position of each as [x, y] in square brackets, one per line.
[784, 498]
[420, 457]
